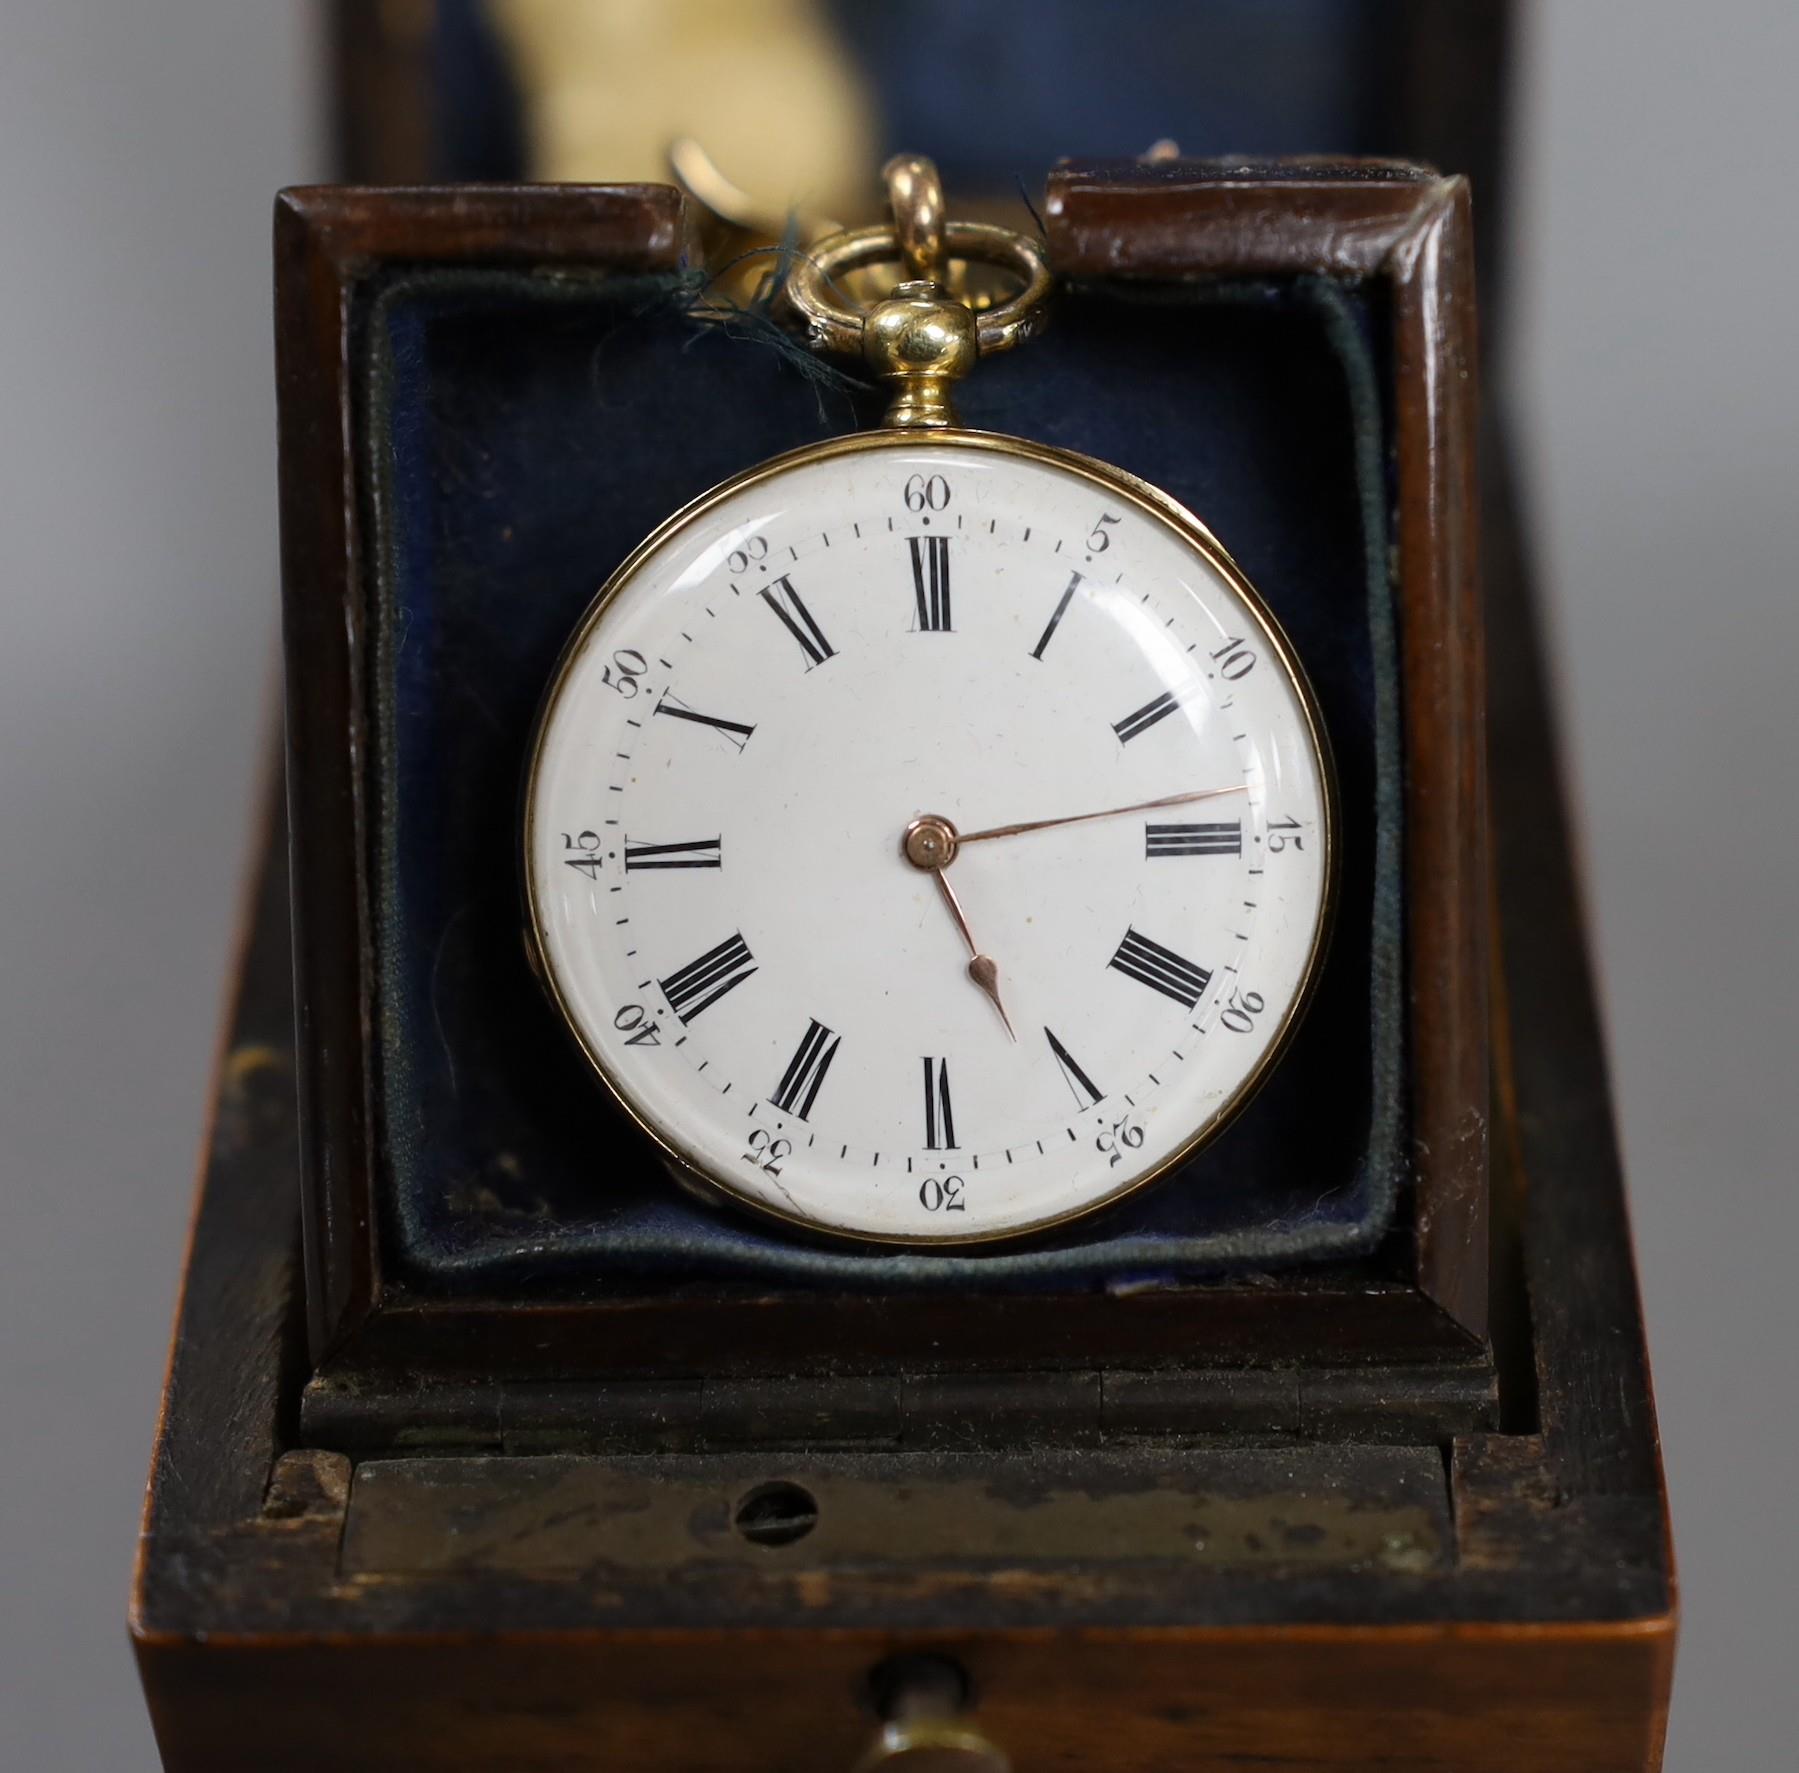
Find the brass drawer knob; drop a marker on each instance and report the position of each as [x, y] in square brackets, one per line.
[922, 1701]
[932, 1745]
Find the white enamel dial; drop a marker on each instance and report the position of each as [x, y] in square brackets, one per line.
[786, 677]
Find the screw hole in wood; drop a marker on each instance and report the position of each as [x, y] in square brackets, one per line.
[776, 1514]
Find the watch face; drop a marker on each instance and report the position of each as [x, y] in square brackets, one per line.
[773, 879]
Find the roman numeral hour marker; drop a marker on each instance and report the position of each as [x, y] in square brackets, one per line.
[939, 1124]
[701, 852]
[930, 582]
[1161, 969]
[1224, 838]
[1145, 717]
[798, 620]
[1061, 609]
[734, 730]
[798, 1088]
[1076, 1079]
[701, 983]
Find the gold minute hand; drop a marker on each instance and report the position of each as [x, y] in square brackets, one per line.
[1110, 812]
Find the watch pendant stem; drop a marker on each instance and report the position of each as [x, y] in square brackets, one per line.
[920, 342]
[921, 339]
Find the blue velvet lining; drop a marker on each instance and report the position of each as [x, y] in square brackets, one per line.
[521, 433]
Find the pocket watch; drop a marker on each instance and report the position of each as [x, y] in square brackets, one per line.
[929, 834]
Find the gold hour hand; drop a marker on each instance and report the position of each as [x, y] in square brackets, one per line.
[930, 843]
[982, 968]
[1110, 812]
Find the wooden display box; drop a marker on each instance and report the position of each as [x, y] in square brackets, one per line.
[1404, 1505]
[392, 1346]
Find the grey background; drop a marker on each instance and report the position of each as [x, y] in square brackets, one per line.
[1654, 371]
